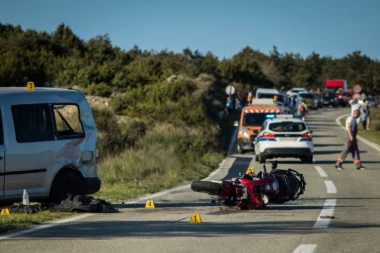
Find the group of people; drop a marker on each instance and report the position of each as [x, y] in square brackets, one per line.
[233, 102]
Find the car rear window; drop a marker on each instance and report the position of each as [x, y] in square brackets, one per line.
[254, 119]
[287, 126]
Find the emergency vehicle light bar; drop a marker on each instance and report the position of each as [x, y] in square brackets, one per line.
[283, 116]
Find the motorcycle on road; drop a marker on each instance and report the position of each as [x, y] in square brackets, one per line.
[252, 191]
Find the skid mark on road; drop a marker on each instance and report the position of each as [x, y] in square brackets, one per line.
[321, 172]
[327, 211]
[305, 248]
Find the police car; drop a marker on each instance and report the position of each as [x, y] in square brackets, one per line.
[283, 135]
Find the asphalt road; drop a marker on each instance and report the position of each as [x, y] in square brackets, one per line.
[350, 196]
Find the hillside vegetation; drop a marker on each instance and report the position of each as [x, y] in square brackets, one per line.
[157, 127]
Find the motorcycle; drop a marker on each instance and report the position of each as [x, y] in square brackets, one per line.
[252, 191]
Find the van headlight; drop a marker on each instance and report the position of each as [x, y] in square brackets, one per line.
[244, 132]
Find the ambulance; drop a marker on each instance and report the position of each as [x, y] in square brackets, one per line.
[251, 119]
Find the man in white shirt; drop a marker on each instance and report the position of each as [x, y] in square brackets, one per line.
[351, 143]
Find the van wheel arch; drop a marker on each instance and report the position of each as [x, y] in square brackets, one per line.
[67, 181]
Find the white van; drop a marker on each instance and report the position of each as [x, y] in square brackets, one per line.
[47, 144]
[282, 99]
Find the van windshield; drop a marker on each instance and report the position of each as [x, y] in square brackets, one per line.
[254, 119]
[280, 97]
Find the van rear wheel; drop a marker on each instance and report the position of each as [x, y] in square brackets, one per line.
[66, 184]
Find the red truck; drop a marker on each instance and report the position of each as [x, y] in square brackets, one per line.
[339, 87]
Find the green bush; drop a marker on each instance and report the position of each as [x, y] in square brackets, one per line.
[98, 89]
[114, 136]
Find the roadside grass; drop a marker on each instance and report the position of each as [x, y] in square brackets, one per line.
[167, 156]
[20, 221]
[374, 133]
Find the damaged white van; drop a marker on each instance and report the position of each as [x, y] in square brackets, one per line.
[47, 144]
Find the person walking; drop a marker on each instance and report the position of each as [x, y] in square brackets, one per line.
[351, 143]
[303, 110]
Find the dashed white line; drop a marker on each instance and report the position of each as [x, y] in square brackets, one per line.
[305, 248]
[330, 186]
[321, 172]
[328, 210]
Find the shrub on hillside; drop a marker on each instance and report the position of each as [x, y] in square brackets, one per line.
[98, 89]
[170, 102]
[115, 137]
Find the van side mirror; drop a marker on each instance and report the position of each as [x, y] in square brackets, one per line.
[311, 131]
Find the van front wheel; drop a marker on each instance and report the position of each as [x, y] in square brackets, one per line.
[66, 184]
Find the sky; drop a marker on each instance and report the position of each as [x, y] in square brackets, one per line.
[224, 27]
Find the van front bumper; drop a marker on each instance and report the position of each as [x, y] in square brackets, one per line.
[92, 184]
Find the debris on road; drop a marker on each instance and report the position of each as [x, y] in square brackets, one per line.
[76, 203]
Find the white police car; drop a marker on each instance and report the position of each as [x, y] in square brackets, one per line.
[284, 135]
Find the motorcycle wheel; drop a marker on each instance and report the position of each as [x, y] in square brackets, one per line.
[207, 187]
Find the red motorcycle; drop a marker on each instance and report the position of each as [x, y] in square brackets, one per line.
[252, 191]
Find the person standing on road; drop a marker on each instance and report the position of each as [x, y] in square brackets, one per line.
[229, 104]
[366, 109]
[355, 105]
[249, 98]
[351, 144]
[292, 103]
[303, 110]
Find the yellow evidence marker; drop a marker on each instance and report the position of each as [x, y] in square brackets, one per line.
[250, 171]
[149, 204]
[195, 218]
[5, 212]
[30, 86]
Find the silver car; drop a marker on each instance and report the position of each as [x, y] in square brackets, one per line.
[47, 144]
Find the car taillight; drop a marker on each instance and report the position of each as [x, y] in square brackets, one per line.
[306, 135]
[269, 135]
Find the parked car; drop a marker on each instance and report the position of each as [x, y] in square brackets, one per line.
[319, 97]
[329, 98]
[309, 99]
[47, 144]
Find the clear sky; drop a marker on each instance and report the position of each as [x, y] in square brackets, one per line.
[224, 27]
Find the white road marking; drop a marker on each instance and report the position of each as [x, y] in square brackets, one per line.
[305, 248]
[330, 186]
[44, 226]
[328, 210]
[369, 143]
[321, 172]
